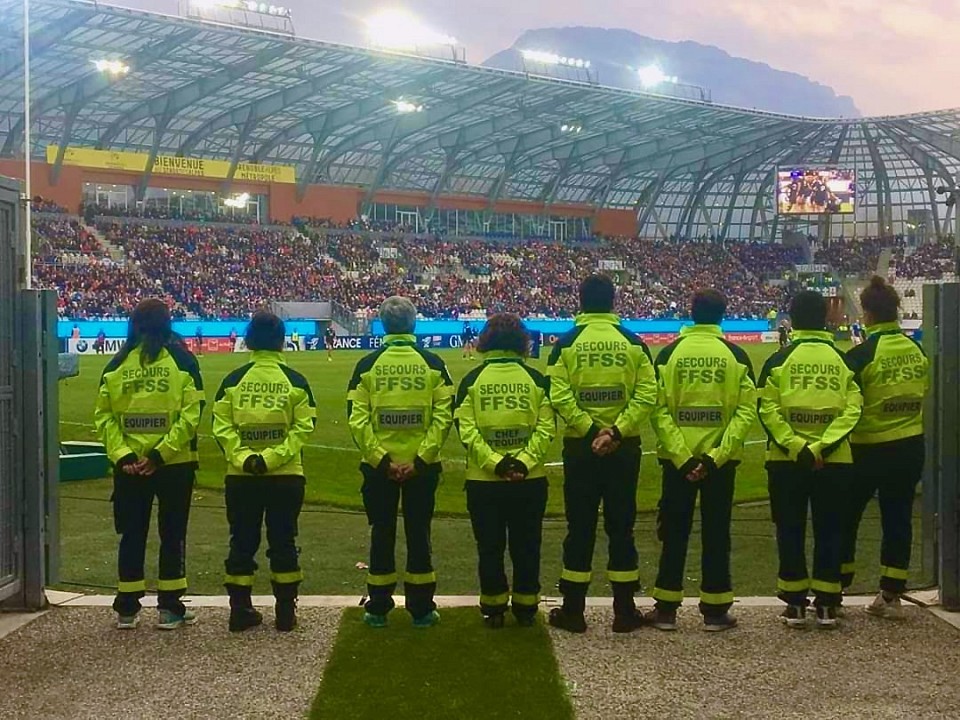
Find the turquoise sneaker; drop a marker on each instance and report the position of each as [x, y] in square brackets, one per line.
[127, 622]
[427, 621]
[171, 621]
[374, 621]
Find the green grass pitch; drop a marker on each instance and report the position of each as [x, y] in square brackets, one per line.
[333, 530]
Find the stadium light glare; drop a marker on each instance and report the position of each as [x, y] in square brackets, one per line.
[549, 58]
[575, 128]
[237, 201]
[397, 29]
[652, 75]
[113, 67]
[405, 106]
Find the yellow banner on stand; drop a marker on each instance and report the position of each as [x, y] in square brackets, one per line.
[172, 165]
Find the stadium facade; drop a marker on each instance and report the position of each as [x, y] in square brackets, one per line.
[317, 129]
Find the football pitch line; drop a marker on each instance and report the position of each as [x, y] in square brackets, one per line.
[338, 448]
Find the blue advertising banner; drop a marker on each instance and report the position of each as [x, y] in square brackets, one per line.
[375, 342]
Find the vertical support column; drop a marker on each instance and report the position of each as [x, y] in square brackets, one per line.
[948, 391]
[33, 465]
[930, 487]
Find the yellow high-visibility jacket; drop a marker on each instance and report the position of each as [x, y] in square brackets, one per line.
[400, 403]
[601, 376]
[809, 398]
[264, 408]
[503, 408]
[151, 409]
[707, 398]
[894, 375]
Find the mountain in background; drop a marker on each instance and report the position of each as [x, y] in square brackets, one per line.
[614, 55]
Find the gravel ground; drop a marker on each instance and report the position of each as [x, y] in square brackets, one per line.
[867, 668]
[71, 664]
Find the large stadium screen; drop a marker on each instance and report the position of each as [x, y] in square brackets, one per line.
[816, 191]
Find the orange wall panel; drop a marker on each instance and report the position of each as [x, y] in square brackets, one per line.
[339, 203]
[615, 222]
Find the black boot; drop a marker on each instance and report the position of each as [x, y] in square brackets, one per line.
[286, 611]
[626, 617]
[242, 614]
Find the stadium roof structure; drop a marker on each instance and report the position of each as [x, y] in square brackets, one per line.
[207, 90]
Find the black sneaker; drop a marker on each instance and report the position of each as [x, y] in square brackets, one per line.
[826, 618]
[628, 622]
[494, 622]
[244, 618]
[794, 616]
[719, 623]
[574, 623]
[286, 619]
[665, 620]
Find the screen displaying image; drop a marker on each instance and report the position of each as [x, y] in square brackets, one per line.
[816, 191]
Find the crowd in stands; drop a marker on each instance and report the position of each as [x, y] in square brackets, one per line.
[61, 241]
[856, 256]
[930, 261]
[42, 205]
[214, 271]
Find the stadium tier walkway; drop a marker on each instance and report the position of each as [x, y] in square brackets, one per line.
[70, 663]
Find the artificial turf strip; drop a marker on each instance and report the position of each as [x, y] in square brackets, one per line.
[458, 669]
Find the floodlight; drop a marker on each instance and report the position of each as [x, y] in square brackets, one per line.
[651, 76]
[549, 58]
[113, 67]
[237, 201]
[397, 29]
[405, 106]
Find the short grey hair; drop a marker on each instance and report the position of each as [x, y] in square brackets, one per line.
[398, 315]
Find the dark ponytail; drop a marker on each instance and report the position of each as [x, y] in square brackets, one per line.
[150, 329]
[881, 300]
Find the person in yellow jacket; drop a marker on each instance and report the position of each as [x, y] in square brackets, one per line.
[602, 384]
[147, 412]
[809, 405]
[888, 445]
[706, 408]
[263, 415]
[506, 424]
[400, 411]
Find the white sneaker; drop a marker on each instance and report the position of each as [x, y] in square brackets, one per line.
[127, 622]
[886, 609]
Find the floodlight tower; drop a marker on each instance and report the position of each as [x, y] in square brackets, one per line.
[245, 13]
[654, 79]
[397, 30]
[551, 64]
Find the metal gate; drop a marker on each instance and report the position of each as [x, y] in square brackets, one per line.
[11, 513]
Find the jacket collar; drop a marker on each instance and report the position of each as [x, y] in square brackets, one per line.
[589, 318]
[884, 328]
[502, 356]
[812, 336]
[394, 340]
[267, 356]
[707, 330]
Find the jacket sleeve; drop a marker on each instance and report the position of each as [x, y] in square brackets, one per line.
[669, 435]
[744, 416]
[539, 444]
[184, 430]
[477, 448]
[844, 424]
[771, 417]
[225, 431]
[562, 397]
[360, 421]
[441, 420]
[303, 422]
[108, 427]
[642, 403]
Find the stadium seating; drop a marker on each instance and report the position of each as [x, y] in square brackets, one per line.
[212, 270]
